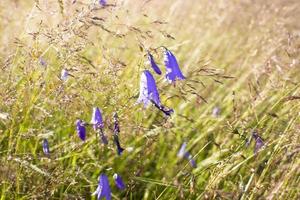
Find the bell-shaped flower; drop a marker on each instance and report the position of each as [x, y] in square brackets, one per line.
[149, 93]
[119, 182]
[103, 189]
[182, 150]
[183, 153]
[64, 75]
[46, 147]
[173, 71]
[259, 143]
[102, 2]
[153, 63]
[97, 120]
[81, 131]
[190, 158]
[148, 90]
[43, 62]
[216, 111]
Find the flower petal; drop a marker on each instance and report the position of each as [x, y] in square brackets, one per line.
[172, 68]
[153, 64]
[80, 129]
[258, 144]
[102, 2]
[148, 89]
[103, 189]
[119, 182]
[64, 75]
[46, 147]
[182, 150]
[97, 119]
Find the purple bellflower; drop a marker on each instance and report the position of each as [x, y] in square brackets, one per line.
[190, 158]
[153, 64]
[102, 2]
[149, 93]
[148, 90]
[103, 189]
[119, 182]
[173, 71]
[259, 143]
[43, 62]
[216, 112]
[182, 150]
[97, 120]
[80, 127]
[98, 124]
[64, 75]
[46, 147]
[183, 153]
[116, 134]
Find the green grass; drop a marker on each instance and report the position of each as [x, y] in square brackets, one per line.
[241, 56]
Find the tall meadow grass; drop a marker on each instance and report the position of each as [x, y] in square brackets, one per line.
[241, 57]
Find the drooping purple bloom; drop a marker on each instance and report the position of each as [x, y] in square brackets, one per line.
[173, 71]
[216, 112]
[102, 2]
[193, 163]
[153, 63]
[46, 147]
[64, 75]
[80, 129]
[97, 120]
[43, 62]
[149, 93]
[190, 158]
[183, 153]
[119, 182]
[103, 189]
[148, 90]
[182, 150]
[259, 143]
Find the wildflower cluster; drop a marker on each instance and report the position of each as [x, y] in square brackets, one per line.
[103, 190]
[148, 89]
[148, 95]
